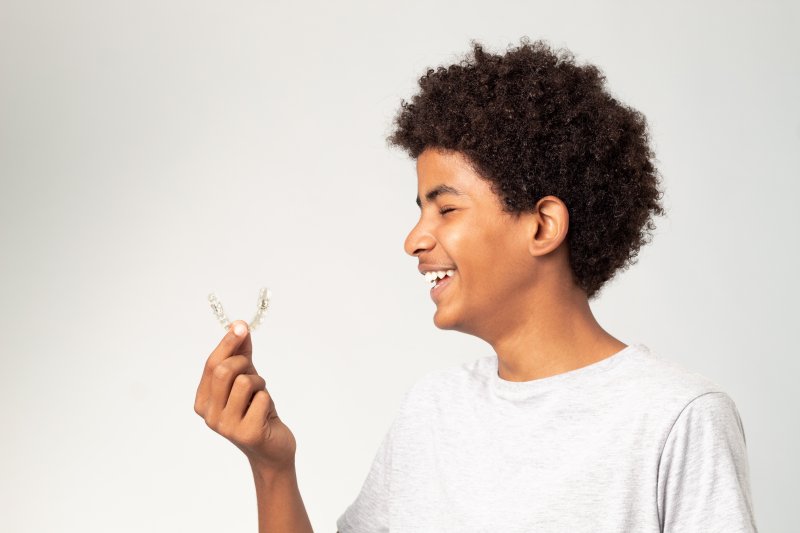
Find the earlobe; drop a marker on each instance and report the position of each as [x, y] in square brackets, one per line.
[549, 225]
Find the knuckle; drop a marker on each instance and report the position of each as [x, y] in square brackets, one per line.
[222, 371]
[242, 381]
[211, 364]
[223, 428]
[236, 364]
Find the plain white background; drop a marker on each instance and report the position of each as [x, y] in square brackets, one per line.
[153, 152]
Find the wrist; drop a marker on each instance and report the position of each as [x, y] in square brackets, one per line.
[269, 472]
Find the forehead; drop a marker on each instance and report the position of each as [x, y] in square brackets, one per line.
[440, 164]
[441, 172]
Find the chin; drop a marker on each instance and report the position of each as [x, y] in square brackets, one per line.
[441, 320]
[445, 320]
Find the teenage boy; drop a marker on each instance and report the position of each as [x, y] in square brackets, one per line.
[535, 187]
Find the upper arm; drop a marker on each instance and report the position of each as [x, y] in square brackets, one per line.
[703, 475]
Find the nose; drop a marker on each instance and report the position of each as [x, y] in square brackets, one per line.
[418, 240]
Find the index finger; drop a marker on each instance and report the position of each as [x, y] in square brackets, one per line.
[231, 344]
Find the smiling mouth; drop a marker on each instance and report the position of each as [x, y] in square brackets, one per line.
[434, 276]
[439, 285]
[439, 281]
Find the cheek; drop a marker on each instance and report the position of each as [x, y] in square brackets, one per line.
[497, 267]
[478, 254]
[458, 244]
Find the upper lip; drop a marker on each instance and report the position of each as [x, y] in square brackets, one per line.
[429, 267]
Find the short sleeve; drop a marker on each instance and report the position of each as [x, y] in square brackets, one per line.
[703, 475]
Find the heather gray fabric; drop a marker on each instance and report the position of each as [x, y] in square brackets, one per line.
[632, 443]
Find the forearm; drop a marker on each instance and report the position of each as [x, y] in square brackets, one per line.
[280, 506]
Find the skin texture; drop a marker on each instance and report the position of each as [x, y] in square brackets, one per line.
[233, 400]
[534, 123]
[513, 286]
[559, 187]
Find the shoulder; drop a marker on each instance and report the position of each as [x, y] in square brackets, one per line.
[688, 408]
[665, 381]
[703, 472]
[644, 381]
[709, 415]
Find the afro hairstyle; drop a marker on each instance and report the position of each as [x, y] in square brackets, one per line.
[534, 123]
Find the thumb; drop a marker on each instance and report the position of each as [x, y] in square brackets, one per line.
[245, 343]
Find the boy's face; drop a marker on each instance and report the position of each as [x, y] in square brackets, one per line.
[469, 233]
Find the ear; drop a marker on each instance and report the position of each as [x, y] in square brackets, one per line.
[548, 225]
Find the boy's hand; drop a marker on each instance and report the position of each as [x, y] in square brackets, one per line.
[233, 400]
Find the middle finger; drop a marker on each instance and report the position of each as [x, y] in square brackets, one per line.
[222, 382]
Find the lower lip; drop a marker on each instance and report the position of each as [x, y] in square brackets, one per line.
[437, 289]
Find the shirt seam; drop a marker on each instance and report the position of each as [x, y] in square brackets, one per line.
[663, 447]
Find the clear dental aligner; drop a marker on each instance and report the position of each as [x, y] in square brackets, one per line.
[263, 304]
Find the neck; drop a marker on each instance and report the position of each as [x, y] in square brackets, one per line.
[556, 332]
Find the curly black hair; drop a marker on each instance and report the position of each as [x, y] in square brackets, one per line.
[533, 123]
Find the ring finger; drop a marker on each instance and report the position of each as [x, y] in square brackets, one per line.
[244, 387]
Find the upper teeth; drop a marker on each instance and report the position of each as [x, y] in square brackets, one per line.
[439, 274]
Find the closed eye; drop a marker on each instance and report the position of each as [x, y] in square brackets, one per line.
[446, 210]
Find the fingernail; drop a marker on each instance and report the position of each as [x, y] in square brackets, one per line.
[239, 330]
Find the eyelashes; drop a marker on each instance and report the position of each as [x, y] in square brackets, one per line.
[446, 210]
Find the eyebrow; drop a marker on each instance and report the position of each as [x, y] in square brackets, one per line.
[436, 191]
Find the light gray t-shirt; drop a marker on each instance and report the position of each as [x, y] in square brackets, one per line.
[632, 443]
